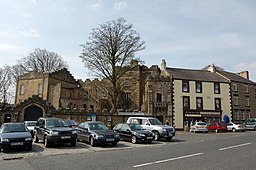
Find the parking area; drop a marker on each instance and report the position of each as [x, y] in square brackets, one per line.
[38, 149]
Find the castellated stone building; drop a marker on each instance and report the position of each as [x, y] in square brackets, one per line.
[179, 95]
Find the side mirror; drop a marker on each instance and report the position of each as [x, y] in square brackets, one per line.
[147, 124]
[128, 130]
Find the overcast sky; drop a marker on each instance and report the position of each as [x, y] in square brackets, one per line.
[187, 33]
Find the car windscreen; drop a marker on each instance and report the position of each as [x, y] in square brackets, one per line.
[30, 123]
[10, 128]
[155, 122]
[136, 127]
[97, 126]
[52, 123]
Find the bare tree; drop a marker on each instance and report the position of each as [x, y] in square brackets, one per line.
[42, 60]
[108, 52]
[6, 85]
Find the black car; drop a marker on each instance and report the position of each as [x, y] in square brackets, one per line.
[54, 130]
[15, 135]
[134, 133]
[96, 132]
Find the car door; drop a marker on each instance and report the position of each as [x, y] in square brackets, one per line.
[229, 126]
[118, 130]
[126, 132]
[40, 128]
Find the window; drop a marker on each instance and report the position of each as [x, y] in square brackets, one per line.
[236, 115]
[199, 103]
[40, 88]
[217, 104]
[234, 86]
[127, 83]
[186, 102]
[247, 102]
[127, 96]
[159, 97]
[185, 86]
[236, 103]
[216, 88]
[22, 89]
[91, 108]
[246, 88]
[198, 87]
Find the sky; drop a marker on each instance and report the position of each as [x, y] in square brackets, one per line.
[188, 34]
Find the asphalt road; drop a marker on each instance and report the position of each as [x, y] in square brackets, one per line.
[186, 151]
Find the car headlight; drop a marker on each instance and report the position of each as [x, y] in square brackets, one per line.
[164, 130]
[28, 139]
[117, 136]
[74, 132]
[54, 133]
[141, 134]
[4, 140]
[99, 136]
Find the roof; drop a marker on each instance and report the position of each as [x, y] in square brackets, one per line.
[235, 77]
[199, 75]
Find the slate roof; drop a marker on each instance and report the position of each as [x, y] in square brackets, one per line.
[198, 75]
[235, 77]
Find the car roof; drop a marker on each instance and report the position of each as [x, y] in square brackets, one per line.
[50, 118]
[13, 123]
[93, 122]
[142, 118]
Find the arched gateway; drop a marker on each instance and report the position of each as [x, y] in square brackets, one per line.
[33, 112]
[33, 108]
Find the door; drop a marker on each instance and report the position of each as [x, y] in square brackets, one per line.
[33, 113]
[7, 118]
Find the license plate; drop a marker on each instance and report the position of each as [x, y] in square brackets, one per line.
[149, 137]
[110, 139]
[170, 134]
[16, 143]
[65, 137]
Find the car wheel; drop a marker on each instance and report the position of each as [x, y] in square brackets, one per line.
[216, 130]
[233, 130]
[114, 143]
[35, 138]
[134, 139]
[254, 128]
[92, 142]
[157, 136]
[5, 150]
[46, 142]
[73, 143]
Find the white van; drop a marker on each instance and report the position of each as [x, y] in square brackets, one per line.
[154, 125]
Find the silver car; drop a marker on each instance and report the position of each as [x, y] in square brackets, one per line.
[199, 127]
[236, 127]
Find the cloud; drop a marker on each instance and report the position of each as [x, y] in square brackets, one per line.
[30, 33]
[3, 33]
[224, 41]
[8, 47]
[119, 5]
[95, 6]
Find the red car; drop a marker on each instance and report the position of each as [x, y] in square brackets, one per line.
[217, 126]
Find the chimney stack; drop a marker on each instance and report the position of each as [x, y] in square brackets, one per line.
[244, 74]
[163, 64]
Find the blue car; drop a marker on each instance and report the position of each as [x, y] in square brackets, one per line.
[96, 132]
[15, 135]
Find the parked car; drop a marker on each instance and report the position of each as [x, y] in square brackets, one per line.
[96, 132]
[217, 126]
[250, 124]
[31, 126]
[236, 126]
[154, 125]
[54, 130]
[15, 135]
[199, 127]
[72, 123]
[134, 133]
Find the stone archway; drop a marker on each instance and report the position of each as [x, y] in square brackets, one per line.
[33, 112]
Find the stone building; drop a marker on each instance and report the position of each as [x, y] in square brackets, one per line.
[59, 89]
[243, 94]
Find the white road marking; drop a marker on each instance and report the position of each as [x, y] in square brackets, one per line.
[166, 160]
[235, 146]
